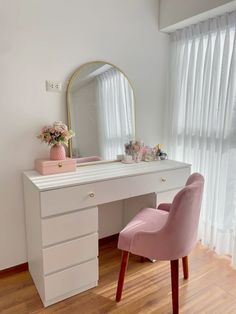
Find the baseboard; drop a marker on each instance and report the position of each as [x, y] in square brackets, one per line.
[13, 270]
[109, 239]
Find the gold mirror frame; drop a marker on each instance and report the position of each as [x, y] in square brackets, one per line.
[68, 101]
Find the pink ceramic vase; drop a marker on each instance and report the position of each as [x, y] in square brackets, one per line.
[57, 152]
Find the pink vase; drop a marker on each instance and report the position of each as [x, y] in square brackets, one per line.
[57, 152]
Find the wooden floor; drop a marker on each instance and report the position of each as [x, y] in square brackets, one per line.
[211, 288]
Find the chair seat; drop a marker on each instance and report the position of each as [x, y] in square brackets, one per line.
[164, 206]
[147, 220]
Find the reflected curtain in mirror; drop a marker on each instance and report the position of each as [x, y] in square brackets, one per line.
[116, 113]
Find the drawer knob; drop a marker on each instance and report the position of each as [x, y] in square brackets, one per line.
[59, 164]
[163, 180]
[91, 194]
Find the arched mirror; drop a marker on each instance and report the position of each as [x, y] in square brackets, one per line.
[100, 105]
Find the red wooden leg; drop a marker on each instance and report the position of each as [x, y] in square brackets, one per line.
[185, 267]
[123, 266]
[175, 285]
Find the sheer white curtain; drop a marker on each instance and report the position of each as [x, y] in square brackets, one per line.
[202, 121]
[116, 113]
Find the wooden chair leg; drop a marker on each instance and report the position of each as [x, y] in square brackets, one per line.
[185, 267]
[175, 285]
[123, 266]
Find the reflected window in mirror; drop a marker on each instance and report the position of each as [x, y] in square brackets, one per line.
[100, 111]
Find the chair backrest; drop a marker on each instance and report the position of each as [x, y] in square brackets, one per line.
[194, 178]
[182, 223]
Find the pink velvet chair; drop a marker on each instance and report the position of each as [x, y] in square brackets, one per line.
[168, 233]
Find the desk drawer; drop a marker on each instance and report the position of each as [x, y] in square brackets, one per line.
[76, 197]
[71, 279]
[65, 227]
[70, 253]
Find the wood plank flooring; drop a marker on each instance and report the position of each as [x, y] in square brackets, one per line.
[210, 289]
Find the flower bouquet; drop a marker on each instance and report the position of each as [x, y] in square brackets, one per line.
[55, 136]
[135, 149]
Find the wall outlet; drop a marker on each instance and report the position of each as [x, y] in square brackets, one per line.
[53, 86]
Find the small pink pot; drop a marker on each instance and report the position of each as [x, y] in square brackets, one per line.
[57, 152]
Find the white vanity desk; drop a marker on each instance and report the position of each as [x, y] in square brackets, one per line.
[62, 218]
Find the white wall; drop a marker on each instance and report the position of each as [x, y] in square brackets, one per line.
[175, 11]
[47, 40]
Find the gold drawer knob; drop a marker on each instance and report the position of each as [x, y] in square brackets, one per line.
[163, 180]
[91, 194]
[59, 164]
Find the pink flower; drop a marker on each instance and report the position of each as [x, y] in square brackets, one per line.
[55, 134]
[136, 148]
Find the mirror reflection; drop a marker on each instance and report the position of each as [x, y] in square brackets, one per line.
[100, 102]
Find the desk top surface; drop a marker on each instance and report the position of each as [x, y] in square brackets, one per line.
[100, 172]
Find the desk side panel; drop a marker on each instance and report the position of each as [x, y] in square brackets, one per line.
[34, 234]
[110, 218]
